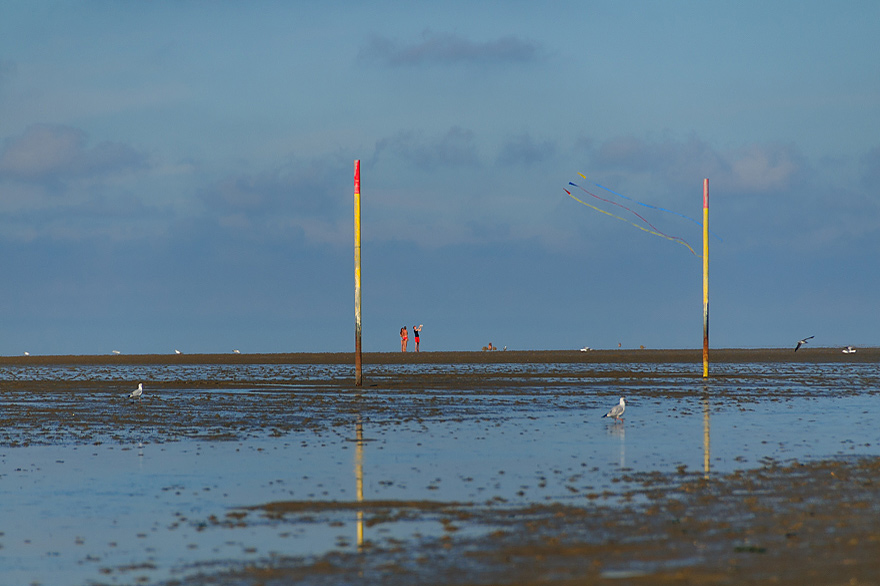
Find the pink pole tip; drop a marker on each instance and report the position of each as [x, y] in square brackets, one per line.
[357, 176]
[705, 193]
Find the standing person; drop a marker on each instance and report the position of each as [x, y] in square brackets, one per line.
[416, 331]
[403, 339]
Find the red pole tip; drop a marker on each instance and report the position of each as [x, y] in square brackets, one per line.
[357, 176]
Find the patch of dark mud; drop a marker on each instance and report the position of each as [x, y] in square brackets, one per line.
[793, 523]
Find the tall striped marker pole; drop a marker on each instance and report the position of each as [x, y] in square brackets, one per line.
[705, 278]
[358, 367]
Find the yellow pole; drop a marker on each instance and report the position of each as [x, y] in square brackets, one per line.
[358, 368]
[705, 278]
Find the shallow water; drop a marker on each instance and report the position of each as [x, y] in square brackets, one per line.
[130, 491]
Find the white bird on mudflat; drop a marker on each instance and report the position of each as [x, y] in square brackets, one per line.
[617, 411]
[802, 342]
[849, 350]
[178, 352]
[136, 394]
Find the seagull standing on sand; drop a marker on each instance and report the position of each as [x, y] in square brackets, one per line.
[802, 342]
[136, 394]
[617, 411]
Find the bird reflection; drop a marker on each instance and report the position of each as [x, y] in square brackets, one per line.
[618, 430]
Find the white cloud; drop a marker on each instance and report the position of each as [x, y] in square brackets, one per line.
[455, 148]
[525, 150]
[764, 168]
[51, 152]
[40, 151]
[871, 168]
[755, 168]
[304, 195]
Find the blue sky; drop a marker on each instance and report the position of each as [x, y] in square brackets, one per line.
[179, 174]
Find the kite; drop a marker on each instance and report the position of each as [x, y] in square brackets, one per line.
[651, 229]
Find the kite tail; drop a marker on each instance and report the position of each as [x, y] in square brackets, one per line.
[642, 218]
[653, 207]
[640, 227]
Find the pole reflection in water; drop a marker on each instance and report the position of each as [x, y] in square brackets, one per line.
[706, 436]
[359, 479]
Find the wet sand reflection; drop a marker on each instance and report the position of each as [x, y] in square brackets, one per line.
[359, 479]
[617, 429]
[706, 451]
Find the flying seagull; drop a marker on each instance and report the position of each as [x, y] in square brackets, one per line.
[802, 342]
[136, 394]
[617, 411]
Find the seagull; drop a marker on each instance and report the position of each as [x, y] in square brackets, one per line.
[586, 349]
[617, 411]
[136, 394]
[802, 342]
[178, 352]
[236, 351]
[116, 352]
[849, 350]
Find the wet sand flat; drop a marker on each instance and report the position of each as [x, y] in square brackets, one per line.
[722, 355]
[444, 468]
[811, 523]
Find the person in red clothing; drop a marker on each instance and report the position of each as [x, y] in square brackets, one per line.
[403, 339]
[416, 331]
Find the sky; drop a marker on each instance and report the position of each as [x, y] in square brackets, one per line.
[178, 175]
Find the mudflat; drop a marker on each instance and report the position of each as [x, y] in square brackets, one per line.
[722, 355]
[813, 521]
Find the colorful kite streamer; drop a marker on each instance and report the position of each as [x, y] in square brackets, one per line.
[651, 228]
[652, 207]
[642, 218]
[656, 233]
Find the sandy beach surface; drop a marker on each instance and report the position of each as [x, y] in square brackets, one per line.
[809, 519]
